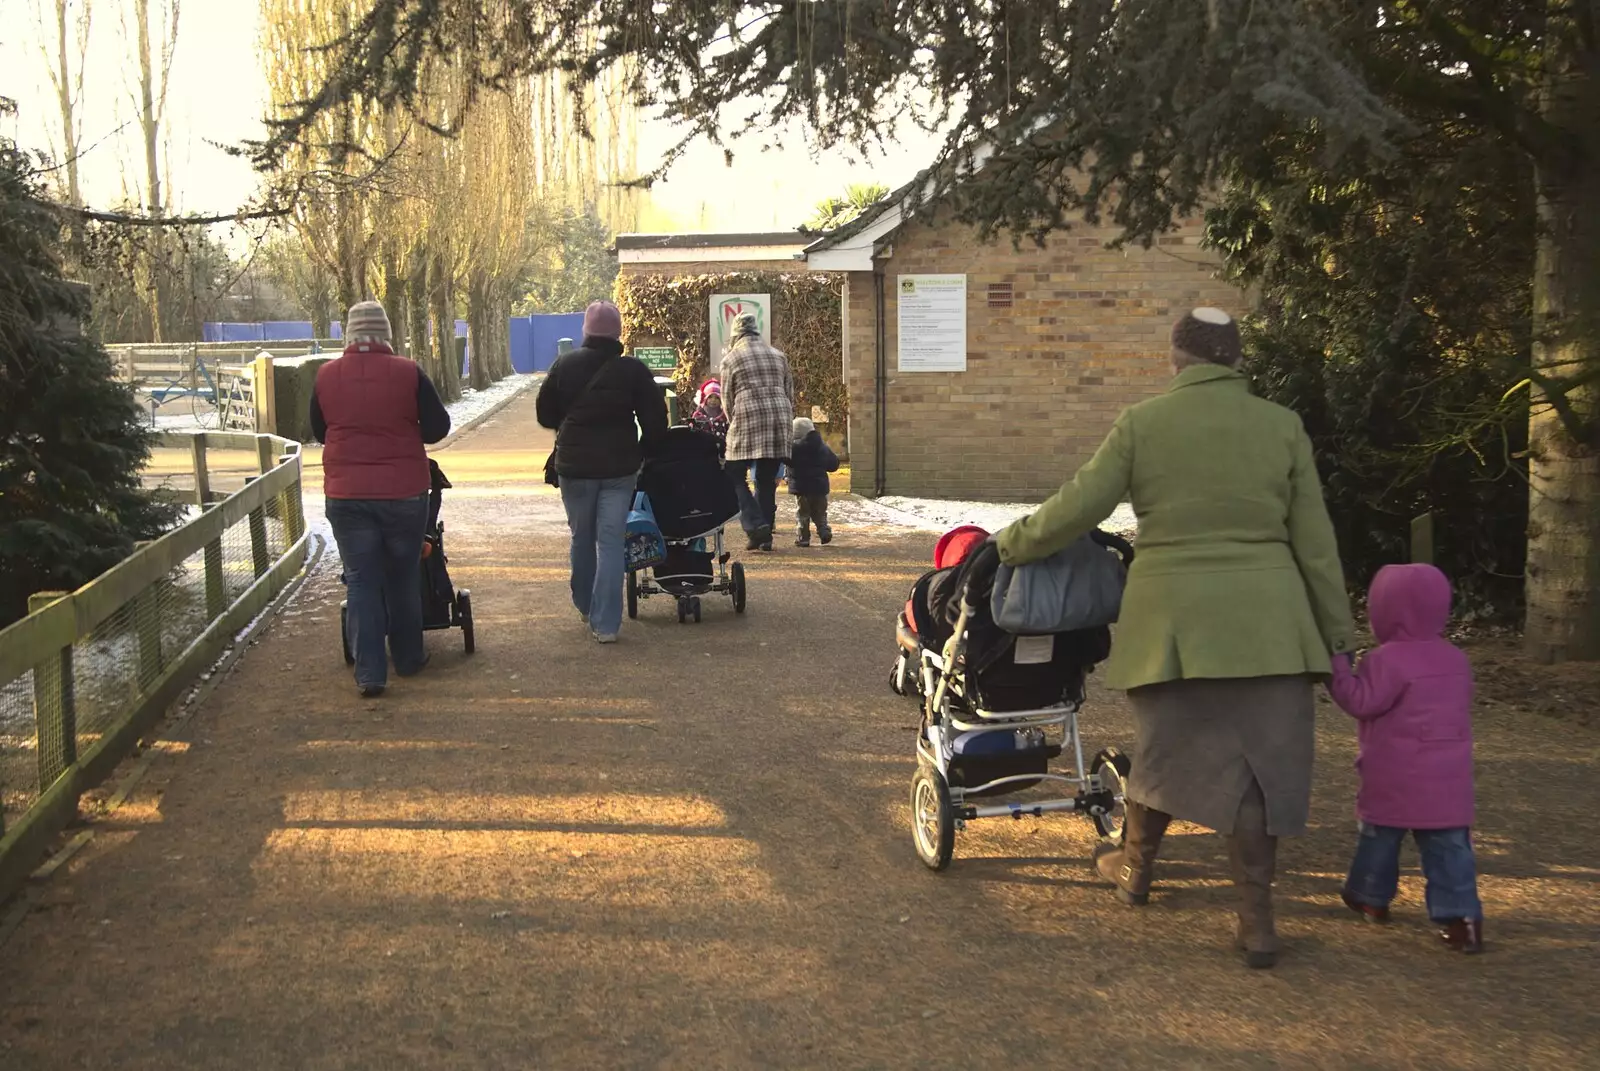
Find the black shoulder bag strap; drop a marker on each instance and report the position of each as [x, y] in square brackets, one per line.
[551, 477]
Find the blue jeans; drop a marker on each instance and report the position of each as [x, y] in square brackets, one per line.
[597, 513]
[760, 509]
[380, 544]
[1447, 864]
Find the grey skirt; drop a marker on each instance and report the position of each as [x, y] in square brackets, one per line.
[1200, 743]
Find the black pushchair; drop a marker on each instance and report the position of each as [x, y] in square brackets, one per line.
[998, 707]
[443, 605]
[690, 499]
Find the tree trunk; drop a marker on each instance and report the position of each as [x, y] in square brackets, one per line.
[69, 126]
[444, 329]
[394, 297]
[1563, 569]
[483, 345]
[417, 311]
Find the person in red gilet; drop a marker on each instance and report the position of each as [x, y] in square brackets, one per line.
[374, 411]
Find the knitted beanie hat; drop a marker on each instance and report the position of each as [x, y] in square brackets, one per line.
[802, 427]
[602, 320]
[746, 325]
[1208, 334]
[367, 322]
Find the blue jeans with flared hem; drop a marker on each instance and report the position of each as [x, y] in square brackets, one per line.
[597, 514]
[757, 509]
[380, 544]
[1447, 865]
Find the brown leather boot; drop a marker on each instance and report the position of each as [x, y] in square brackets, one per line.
[1129, 865]
[1254, 855]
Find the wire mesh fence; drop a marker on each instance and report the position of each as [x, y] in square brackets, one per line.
[59, 700]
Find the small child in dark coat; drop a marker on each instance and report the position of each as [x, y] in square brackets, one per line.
[810, 461]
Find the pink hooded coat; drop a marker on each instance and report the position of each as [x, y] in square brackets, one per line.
[1413, 699]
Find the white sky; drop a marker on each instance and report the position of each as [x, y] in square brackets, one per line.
[218, 95]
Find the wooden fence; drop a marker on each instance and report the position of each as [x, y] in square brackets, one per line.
[85, 674]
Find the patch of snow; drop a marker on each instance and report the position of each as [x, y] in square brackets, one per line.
[941, 515]
[475, 403]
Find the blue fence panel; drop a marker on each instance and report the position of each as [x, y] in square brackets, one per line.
[286, 330]
[521, 339]
[547, 329]
[224, 332]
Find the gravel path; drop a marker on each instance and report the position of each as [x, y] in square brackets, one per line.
[690, 850]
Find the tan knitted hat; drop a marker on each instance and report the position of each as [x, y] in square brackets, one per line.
[367, 322]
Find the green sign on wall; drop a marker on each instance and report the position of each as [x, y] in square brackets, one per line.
[658, 358]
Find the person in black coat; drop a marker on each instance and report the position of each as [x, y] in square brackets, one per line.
[810, 461]
[608, 414]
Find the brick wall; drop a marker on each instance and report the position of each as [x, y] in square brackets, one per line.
[1086, 336]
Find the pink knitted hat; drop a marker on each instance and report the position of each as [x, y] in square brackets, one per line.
[602, 320]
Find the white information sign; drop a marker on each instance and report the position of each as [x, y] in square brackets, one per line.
[725, 309]
[933, 323]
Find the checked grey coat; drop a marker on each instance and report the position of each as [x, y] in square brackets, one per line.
[758, 393]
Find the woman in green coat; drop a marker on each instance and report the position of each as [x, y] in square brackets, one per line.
[1233, 606]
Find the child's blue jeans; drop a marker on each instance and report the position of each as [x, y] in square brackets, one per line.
[1447, 864]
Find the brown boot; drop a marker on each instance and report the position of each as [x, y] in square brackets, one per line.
[1254, 855]
[1129, 865]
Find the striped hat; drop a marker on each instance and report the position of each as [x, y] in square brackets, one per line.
[367, 322]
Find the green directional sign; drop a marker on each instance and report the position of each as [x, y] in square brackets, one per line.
[658, 358]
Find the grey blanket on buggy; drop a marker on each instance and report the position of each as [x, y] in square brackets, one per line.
[1076, 588]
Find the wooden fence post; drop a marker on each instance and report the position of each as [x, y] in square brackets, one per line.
[265, 394]
[294, 517]
[258, 516]
[202, 479]
[55, 710]
[1422, 539]
[147, 625]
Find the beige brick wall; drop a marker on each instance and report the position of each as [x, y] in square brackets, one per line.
[1086, 336]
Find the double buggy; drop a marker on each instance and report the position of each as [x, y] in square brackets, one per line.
[999, 707]
[444, 606]
[675, 542]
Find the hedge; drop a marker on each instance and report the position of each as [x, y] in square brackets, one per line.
[666, 310]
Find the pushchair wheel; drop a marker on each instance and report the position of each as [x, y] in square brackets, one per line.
[683, 610]
[1111, 768]
[738, 587]
[344, 634]
[933, 823]
[633, 595]
[464, 619]
[694, 608]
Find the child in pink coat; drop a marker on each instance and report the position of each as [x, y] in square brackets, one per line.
[1413, 699]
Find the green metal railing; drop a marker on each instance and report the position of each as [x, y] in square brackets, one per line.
[88, 672]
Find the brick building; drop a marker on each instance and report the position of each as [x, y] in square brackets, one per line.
[1059, 339]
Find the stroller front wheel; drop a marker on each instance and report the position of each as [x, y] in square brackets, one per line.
[469, 638]
[933, 824]
[1110, 769]
[633, 595]
[344, 633]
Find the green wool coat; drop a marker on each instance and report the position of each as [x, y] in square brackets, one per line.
[1237, 572]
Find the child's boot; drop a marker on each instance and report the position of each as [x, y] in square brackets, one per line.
[825, 534]
[803, 537]
[1463, 935]
[1366, 911]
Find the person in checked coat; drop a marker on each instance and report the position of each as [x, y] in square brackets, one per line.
[758, 395]
[1232, 609]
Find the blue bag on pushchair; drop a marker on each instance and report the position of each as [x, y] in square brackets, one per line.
[643, 545]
